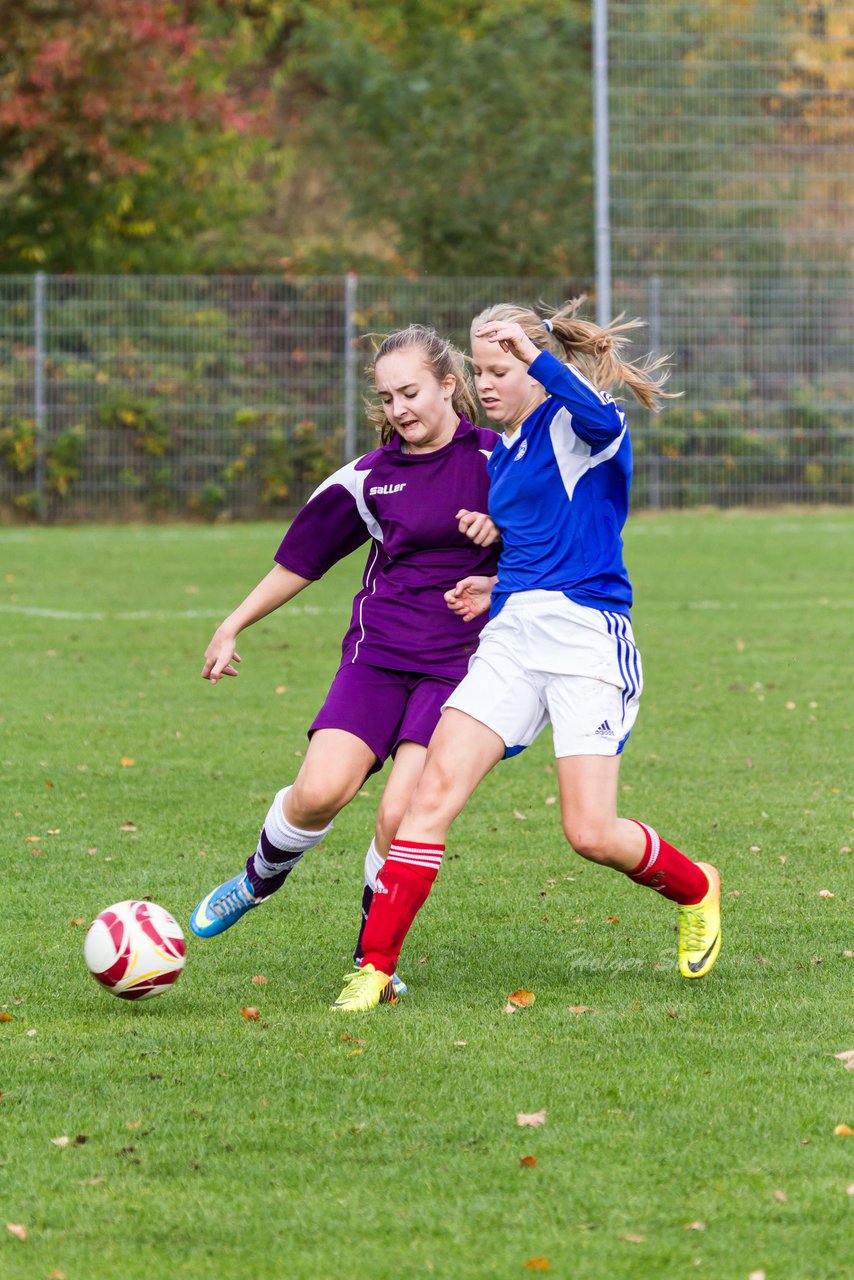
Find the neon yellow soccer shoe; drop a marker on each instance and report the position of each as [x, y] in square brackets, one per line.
[700, 929]
[364, 990]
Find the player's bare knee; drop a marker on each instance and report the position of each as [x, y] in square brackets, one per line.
[314, 800]
[588, 841]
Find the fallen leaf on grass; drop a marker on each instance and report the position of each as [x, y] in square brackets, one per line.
[632, 1237]
[354, 1052]
[281, 688]
[850, 1190]
[77, 920]
[127, 763]
[551, 799]
[128, 826]
[613, 920]
[460, 1044]
[56, 1275]
[580, 1008]
[781, 1197]
[694, 1226]
[843, 1131]
[17, 1230]
[64, 1141]
[352, 1039]
[528, 1162]
[521, 998]
[538, 1264]
[509, 1008]
[259, 980]
[32, 839]
[673, 1013]
[532, 1119]
[847, 1056]
[92, 1182]
[825, 893]
[521, 816]
[250, 1013]
[760, 960]
[756, 1275]
[5, 1017]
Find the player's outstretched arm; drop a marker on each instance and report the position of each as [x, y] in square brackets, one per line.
[279, 586]
[470, 597]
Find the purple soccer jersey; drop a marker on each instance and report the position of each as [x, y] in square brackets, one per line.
[406, 504]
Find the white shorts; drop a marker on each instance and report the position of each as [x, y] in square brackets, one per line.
[545, 658]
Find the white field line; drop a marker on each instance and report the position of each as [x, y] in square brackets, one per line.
[311, 611]
[143, 615]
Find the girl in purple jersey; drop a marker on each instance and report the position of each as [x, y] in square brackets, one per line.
[404, 651]
[559, 646]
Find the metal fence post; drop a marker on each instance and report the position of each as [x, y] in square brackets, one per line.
[38, 388]
[350, 378]
[654, 309]
[601, 177]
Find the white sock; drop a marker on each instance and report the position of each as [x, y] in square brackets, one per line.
[280, 836]
[373, 866]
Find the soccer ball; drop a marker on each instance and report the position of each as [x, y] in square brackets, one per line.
[135, 949]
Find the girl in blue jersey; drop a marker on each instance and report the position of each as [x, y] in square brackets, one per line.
[559, 646]
[403, 652]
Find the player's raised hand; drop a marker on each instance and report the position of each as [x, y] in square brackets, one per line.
[478, 526]
[470, 597]
[219, 657]
[511, 337]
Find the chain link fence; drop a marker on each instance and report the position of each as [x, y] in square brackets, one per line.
[732, 225]
[217, 397]
[136, 397]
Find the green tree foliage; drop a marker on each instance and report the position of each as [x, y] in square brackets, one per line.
[418, 136]
[458, 134]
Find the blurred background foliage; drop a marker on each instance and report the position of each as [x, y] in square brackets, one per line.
[438, 136]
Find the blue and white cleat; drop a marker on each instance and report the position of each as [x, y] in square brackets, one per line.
[224, 906]
[400, 987]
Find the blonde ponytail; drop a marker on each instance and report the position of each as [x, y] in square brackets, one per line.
[596, 350]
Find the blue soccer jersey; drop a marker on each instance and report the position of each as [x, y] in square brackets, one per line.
[559, 493]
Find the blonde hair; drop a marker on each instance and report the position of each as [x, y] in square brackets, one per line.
[443, 360]
[597, 351]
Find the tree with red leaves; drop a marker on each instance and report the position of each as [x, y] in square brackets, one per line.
[123, 135]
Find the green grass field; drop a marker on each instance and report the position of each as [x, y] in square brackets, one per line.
[689, 1127]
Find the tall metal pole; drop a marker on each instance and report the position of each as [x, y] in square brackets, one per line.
[654, 309]
[38, 389]
[350, 377]
[601, 180]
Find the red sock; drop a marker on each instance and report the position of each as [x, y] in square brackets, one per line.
[668, 871]
[403, 884]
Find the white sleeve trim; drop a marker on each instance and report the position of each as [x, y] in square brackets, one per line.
[573, 455]
[354, 482]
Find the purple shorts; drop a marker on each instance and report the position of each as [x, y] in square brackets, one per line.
[384, 708]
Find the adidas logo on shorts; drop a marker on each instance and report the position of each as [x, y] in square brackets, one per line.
[604, 730]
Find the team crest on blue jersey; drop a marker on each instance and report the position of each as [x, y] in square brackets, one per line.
[523, 447]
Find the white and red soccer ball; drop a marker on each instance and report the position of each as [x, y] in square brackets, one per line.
[135, 949]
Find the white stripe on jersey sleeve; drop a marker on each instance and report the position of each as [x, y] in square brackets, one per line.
[354, 482]
[574, 456]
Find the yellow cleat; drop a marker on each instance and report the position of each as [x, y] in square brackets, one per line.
[700, 929]
[365, 989]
